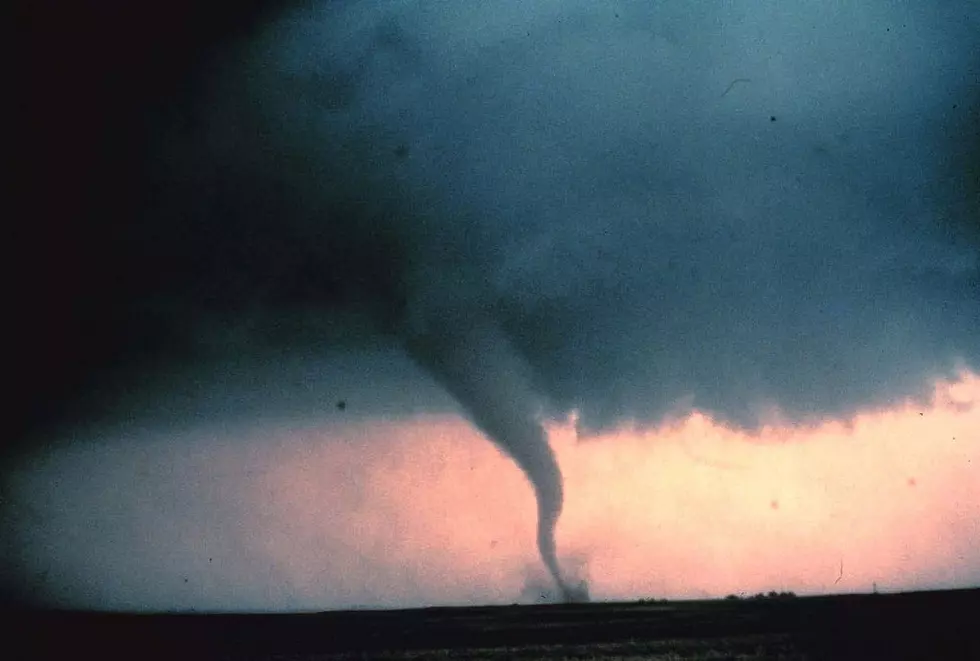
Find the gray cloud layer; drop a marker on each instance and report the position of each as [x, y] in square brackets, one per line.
[662, 206]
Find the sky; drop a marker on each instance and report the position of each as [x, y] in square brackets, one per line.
[387, 304]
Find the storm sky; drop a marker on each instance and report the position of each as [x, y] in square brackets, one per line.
[725, 256]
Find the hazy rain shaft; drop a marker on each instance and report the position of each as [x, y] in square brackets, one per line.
[616, 212]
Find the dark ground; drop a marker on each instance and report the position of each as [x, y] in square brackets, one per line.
[923, 625]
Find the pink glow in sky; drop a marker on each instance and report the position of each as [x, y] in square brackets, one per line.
[409, 512]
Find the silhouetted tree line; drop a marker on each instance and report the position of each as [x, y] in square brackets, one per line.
[762, 595]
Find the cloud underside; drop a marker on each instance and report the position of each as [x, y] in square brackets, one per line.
[659, 209]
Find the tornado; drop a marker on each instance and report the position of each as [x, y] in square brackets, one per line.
[468, 355]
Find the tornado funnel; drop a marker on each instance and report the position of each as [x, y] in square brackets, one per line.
[473, 361]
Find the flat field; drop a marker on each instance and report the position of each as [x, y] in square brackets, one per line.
[933, 626]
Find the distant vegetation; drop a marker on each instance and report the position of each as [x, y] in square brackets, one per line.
[763, 595]
[732, 597]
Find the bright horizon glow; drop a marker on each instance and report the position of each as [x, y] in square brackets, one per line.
[424, 511]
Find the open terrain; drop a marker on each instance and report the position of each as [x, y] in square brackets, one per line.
[922, 625]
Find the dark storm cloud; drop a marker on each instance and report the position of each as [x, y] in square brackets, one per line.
[660, 206]
[649, 236]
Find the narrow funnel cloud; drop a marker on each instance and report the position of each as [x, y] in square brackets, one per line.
[464, 351]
